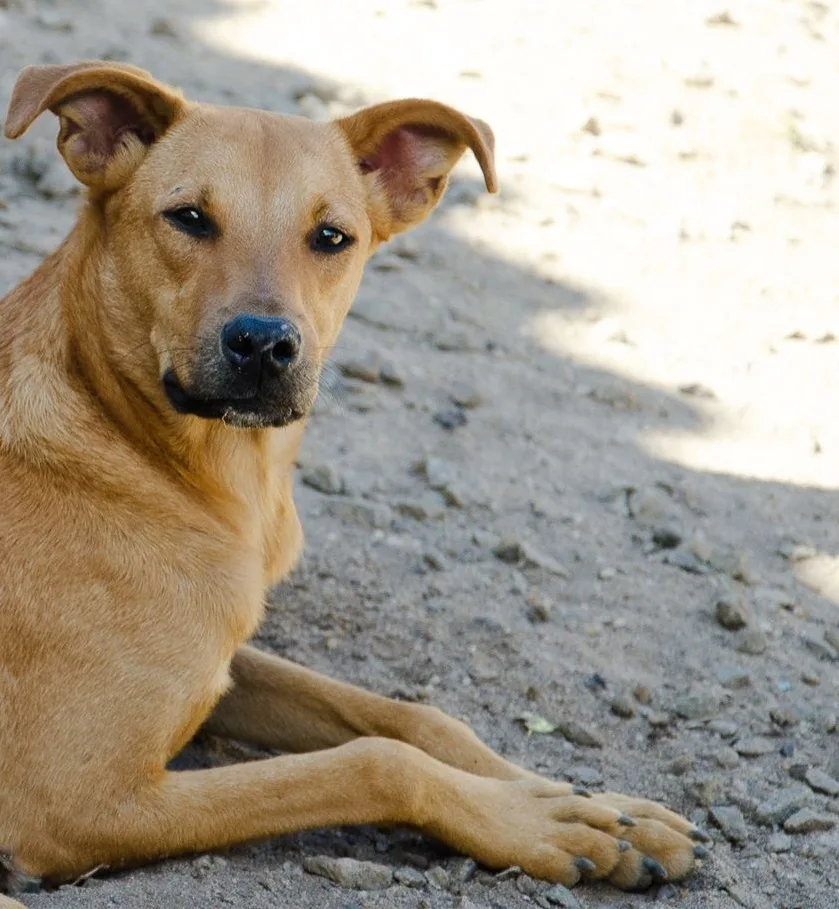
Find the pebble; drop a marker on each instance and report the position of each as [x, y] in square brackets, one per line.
[622, 706]
[821, 649]
[687, 561]
[666, 537]
[658, 718]
[438, 877]
[366, 367]
[390, 375]
[350, 873]
[428, 507]
[579, 735]
[754, 746]
[539, 608]
[821, 782]
[462, 870]
[650, 504]
[723, 728]
[809, 821]
[324, 478]
[466, 396]
[784, 717]
[734, 677]
[680, 765]
[517, 552]
[753, 642]
[730, 820]
[706, 791]
[811, 678]
[831, 637]
[451, 419]
[409, 877]
[727, 758]
[701, 706]
[585, 775]
[373, 515]
[561, 896]
[642, 694]
[732, 612]
[781, 806]
[163, 28]
[526, 885]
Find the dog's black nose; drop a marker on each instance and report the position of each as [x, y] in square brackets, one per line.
[250, 342]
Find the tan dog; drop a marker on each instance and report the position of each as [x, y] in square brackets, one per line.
[155, 375]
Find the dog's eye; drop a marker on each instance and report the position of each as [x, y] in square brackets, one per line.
[329, 239]
[191, 221]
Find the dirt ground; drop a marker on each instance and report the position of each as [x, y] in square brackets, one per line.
[621, 368]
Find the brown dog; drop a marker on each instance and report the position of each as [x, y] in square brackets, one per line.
[155, 375]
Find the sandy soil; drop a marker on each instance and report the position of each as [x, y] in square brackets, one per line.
[643, 326]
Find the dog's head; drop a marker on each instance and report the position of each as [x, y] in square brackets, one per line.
[233, 240]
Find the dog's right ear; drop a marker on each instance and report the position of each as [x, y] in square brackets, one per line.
[109, 113]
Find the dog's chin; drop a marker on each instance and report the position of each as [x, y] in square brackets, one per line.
[253, 412]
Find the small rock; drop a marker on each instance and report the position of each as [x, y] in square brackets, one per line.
[680, 765]
[455, 339]
[797, 552]
[732, 612]
[366, 367]
[526, 885]
[730, 820]
[539, 608]
[706, 791]
[561, 896]
[466, 396]
[642, 694]
[754, 746]
[622, 706]
[811, 678]
[585, 775]
[350, 873]
[785, 804]
[687, 561]
[700, 547]
[753, 642]
[368, 514]
[435, 560]
[831, 637]
[606, 574]
[787, 749]
[821, 782]
[734, 677]
[451, 419]
[701, 706]
[822, 649]
[727, 758]
[438, 877]
[409, 877]
[518, 552]
[428, 507]
[580, 735]
[809, 821]
[666, 537]
[391, 375]
[784, 717]
[725, 729]
[163, 28]
[649, 504]
[324, 478]
[779, 842]
[462, 870]
[659, 718]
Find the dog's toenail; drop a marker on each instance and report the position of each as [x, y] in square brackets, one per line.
[626, 821]
[656, 870]
[585, 865]
[701, 852]
[699, 835]
[579, 790]
[625, 846]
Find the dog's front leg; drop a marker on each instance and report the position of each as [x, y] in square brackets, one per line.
[277, 704]
[533, 824]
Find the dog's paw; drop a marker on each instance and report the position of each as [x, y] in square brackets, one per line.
[564, 834]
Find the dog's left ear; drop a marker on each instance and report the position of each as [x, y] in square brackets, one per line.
[109, 113]
[406, 150]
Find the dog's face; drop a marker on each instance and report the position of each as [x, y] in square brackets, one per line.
[238, 237]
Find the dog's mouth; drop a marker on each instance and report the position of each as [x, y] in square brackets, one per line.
[245, 412]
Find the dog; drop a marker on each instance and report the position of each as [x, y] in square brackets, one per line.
[156, 372]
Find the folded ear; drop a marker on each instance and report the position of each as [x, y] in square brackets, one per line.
[406, 150]
[109, 114]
